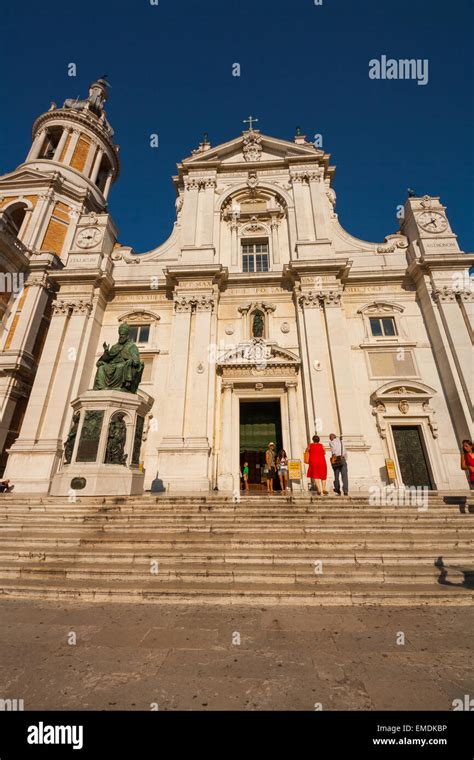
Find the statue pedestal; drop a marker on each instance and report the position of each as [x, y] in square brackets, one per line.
[102, 457]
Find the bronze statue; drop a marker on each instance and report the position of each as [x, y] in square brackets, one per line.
[116, 440]
[120, 367]
[258, 325]
[71, 438]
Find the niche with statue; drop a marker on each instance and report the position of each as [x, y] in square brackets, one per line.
[103, 446]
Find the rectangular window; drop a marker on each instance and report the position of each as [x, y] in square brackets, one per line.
[255, 256]
[383, 327]
[140, 333]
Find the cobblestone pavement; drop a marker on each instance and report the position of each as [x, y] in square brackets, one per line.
[130, 657]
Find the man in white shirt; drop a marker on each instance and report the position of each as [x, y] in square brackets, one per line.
[339, 464]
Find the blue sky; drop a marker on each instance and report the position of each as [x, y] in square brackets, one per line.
[170, 67]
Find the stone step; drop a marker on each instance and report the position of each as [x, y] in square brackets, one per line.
[229, 573]
[269, 505]
[178, 542]
[341, 594]
[212, 550]
[377, 535]
[120, 513]
[251, 555]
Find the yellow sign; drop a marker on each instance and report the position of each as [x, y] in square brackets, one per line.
[391, 473]
[294, 469]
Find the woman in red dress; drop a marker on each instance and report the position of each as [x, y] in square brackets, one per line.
[318, 469]
[467, 460]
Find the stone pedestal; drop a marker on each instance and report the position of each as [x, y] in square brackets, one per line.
[85, 469]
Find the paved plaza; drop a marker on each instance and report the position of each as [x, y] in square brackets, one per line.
[190, 657]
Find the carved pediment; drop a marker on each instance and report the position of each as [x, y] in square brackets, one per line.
[250, 147]
[380, 307]
[258, 353]
[396, 391]
[139, 316]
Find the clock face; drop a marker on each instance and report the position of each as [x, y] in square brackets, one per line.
[433, 221]
[88, 237]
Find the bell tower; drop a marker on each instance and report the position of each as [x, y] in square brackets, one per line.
[45, 202]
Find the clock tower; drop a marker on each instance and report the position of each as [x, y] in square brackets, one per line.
[427, 227]
[440, 271]
[54, 224]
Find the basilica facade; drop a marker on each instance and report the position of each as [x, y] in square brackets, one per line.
[259, 319]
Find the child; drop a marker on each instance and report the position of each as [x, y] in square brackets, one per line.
[246, 476]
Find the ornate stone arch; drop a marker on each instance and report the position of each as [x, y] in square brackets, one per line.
[16, 213]
[242, 188]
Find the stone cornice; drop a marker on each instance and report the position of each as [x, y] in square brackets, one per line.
[443, 261]
[195, 275]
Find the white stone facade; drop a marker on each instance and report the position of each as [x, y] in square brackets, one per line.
[271, 201]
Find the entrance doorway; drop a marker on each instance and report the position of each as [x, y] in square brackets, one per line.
[412, 458]
[260, 423]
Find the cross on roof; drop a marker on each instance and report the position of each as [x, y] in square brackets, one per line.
[250, 121]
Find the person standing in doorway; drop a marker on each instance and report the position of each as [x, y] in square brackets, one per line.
[339, 464]
[282, 468]
[318, 469]
[245, 475]
[270, 466]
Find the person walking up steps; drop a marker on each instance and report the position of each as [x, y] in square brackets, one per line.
[339, 464]
[318, 469]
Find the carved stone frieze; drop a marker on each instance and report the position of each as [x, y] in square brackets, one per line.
[81, 306]
[199, 183]
[190, 303]
[252, 147]
[444, 294]
[316, 299]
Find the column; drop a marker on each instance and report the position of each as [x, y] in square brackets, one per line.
[234, 227]
[178, 370]
[199, 371]
[60, 145]
[275, 243]
[36, 453]
[300, 203]
[458, 337]
[72, 146]
[317, 205]
[442, 348]
[97, 163]
[320, 401]
[35, 149]
[189, 213]
[206, 212]
[108, 185]
[225, 479]
[295, 448]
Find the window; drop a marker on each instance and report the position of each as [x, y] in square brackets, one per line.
[383, 327]
[139, 333]
[255, 256]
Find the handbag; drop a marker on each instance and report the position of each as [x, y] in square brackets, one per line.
[337, 460]
[306, 456]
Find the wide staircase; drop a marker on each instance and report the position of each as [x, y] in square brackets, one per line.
[280, 550]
